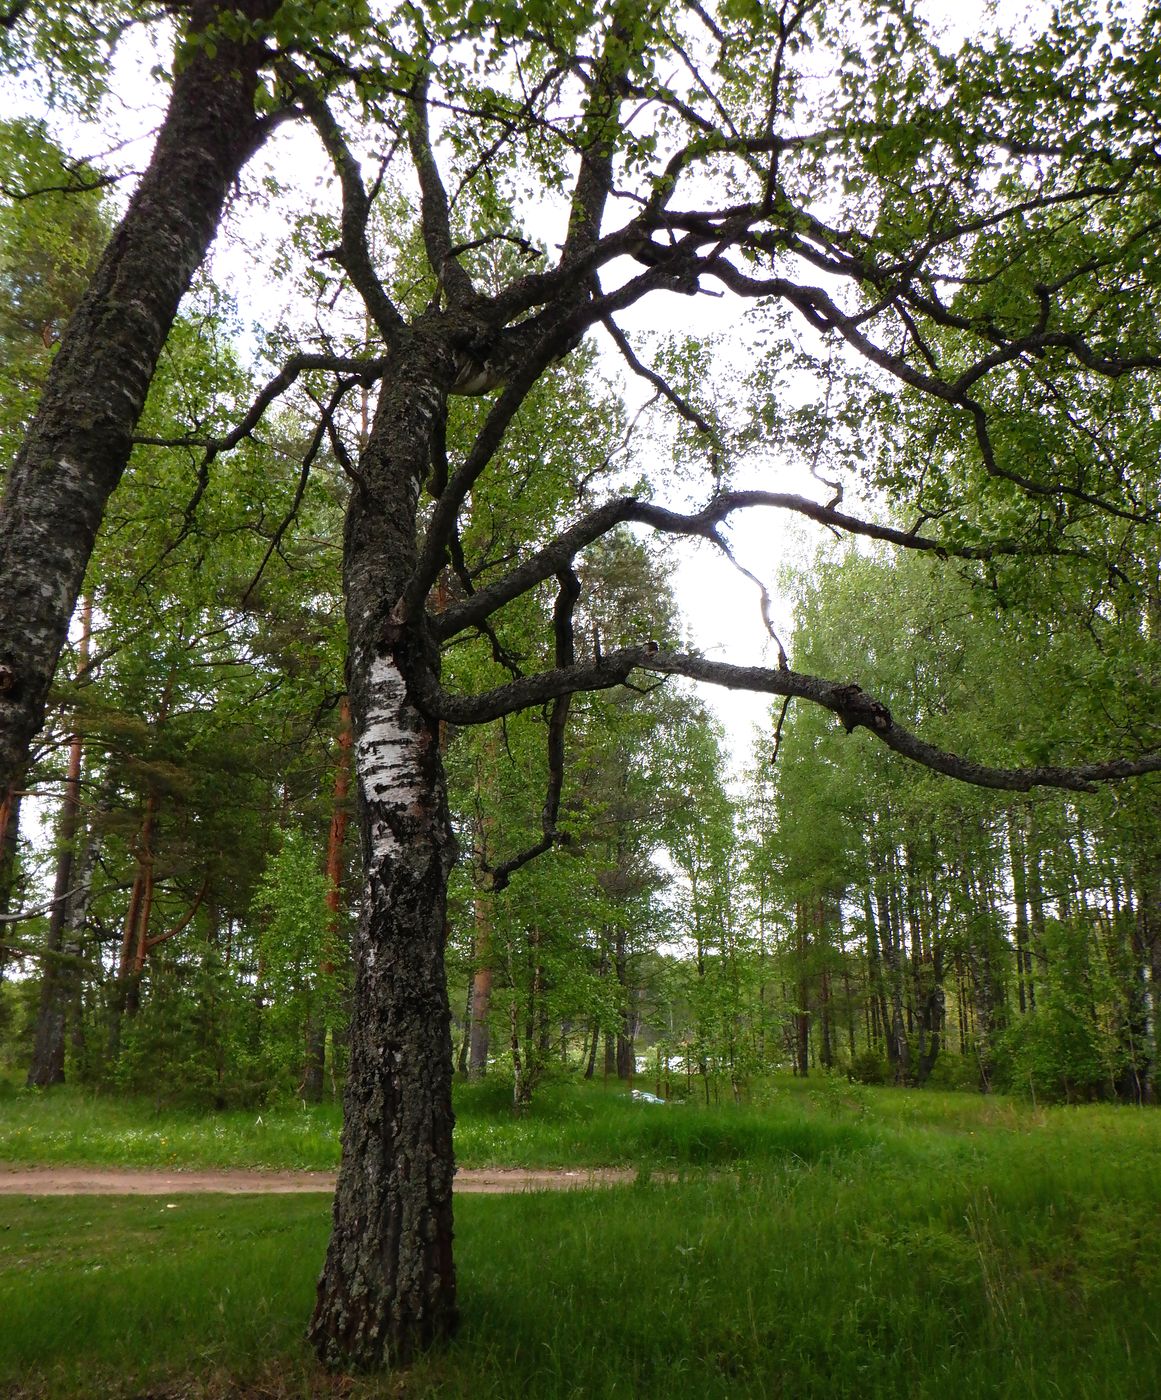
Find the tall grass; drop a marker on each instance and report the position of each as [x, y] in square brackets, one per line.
[69, 1126]
[876, 1245]
[568, 1125]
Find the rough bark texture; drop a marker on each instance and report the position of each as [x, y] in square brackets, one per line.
[388, 1285]
[78, 444]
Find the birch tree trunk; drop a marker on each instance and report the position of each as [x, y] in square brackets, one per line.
[388, 1285]
[79, 442]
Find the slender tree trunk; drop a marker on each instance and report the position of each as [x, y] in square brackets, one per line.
[1140, 935]
[9, 849]
[481, 994]
[59, 981]
[462, 1056]
[1037, 957]
[594, 1041]
[1024, 987]
[825, 1009]
[314, 1054]
[480, 997]
[610, 1055]
[878, 989]
[79, 442]
[314, 1070]
[135, 934]
[898, 1044]
[625, 1049]
[388, 1285]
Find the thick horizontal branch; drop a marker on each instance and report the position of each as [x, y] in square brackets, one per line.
[853, 706]
[703, 524]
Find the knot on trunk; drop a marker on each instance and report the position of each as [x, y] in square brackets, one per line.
[7, 680]
[854, 706]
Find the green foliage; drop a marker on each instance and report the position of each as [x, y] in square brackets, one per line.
[869, 1067]
[18, 1004]
[65, 50]
[297, 957]
[53, 225]
[1067, 1049]
[177, 1050]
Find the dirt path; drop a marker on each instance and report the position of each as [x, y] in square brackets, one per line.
[101, 1181]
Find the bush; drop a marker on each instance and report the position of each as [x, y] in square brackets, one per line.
[954, 1072]
[1054, 1054]
[869, 1067]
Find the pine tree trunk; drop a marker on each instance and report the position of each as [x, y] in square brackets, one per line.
[388, 1285]
[79, 442]
[59, 981]
[480, 999]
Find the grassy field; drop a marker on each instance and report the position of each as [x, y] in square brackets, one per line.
[842, 1244]
[568, 1125]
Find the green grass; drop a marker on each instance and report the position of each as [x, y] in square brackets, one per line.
[867, 1243]
[67, 1126]
[1014, 1264]
[568, 1125]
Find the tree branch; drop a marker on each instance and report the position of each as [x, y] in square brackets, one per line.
[435, 217]
[324, 427]
[566, 601]
[853, 706]
[353, 254]
[663, 387]
[628, 509]
[183, 922]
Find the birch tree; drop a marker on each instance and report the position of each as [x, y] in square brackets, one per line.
[952, 246]
[733, 186]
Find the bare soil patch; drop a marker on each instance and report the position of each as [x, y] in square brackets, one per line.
[102, 1181]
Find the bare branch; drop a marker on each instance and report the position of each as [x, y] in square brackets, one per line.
[362, 371]
[853, 706]
[766, 603]
[601, 121]
[566, 601]
[183, 922]
[663, 387]
[435, 217]
[823, 313]
[324, 426]
[629, 510]
[353, 253]
[86, 186]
